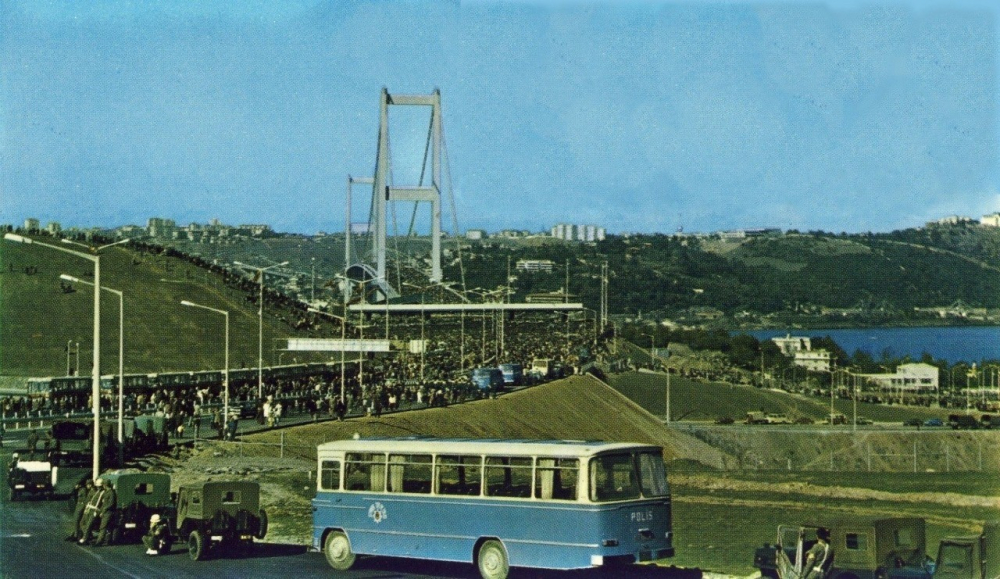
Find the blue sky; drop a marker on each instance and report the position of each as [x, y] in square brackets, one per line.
[638, 116]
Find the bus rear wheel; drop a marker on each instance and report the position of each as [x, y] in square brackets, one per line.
[492, 560]
[338, 551]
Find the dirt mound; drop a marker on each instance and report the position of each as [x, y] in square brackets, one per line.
[576, 408]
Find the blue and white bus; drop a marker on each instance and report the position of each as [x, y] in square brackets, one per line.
[495, 503]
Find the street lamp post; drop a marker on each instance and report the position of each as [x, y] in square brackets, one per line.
[260, 321]
[96, 382]
[225, 369]
[121, 353]
[666, 370]
[69, 352]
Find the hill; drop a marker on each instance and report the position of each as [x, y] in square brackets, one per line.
[818, 278]
[575, 408]
[38, 317]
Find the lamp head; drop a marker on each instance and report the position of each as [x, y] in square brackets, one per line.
[186, 303]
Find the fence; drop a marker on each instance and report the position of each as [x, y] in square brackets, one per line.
[874, 450]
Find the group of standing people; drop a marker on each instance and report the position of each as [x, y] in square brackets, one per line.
[95, 505]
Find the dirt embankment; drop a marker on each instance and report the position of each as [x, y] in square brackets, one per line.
[576, 408]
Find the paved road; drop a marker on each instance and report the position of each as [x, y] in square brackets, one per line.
[32, 544]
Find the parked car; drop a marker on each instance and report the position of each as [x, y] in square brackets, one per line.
[933, 422]
[913, 422]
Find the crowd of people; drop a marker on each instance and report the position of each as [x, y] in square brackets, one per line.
[434, 372]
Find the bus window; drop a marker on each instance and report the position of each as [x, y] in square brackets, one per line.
[365, 472]
[612, 478]
[330, 475]
[409, 473]
[556, 478]
[508, 477]
[653, 475]
[459, 475]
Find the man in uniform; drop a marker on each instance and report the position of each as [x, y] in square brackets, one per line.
[90, 512]
[81, 492]
[32, 442]
[819, 559]
[106, 510]
[157, 540]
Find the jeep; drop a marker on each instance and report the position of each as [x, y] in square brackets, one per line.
[138, 495]
[31, 476]
[219, 515]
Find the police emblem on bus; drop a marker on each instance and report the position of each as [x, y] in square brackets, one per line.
[377, 513]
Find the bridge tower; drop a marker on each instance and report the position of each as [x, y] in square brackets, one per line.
[384, 192]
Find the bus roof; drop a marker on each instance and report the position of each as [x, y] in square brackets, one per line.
[514, 447]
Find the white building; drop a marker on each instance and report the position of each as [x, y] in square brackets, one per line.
[918, 377]
[802, 353]
[583, 232]
[991, 220]
[790, 345]
[475, 234]
[535, 265]
[818, 360]
[32, 224]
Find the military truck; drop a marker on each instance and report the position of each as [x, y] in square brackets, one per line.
[32, 477]
[220, 516]
[864, 547]
[148, 435]
[73, 443]
[138, 495]
[962, 422]
[970, 557]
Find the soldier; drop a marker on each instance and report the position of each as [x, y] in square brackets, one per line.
[820, 558]
[157, 540]
[32, 442]
[106, 510]
[90, 513]
[81, 493]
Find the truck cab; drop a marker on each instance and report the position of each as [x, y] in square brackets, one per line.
[970, 557]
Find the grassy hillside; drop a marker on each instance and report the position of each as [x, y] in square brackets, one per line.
[37, 317]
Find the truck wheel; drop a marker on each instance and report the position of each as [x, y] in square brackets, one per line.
[262, 530]
[338, 551]
[492, 560]
[196, 546]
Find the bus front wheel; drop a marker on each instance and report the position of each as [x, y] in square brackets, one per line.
[493, 560]
[338, 551]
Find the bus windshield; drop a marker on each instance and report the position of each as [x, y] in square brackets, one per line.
[620, 477]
